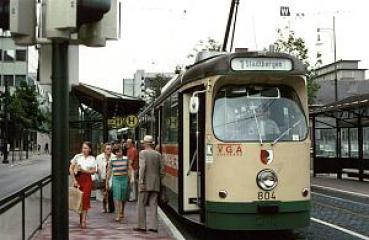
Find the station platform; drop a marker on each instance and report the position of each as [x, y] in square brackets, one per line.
[344, 185]
[102, 226]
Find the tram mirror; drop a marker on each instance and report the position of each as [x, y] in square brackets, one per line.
[263, 92]
[194, 104]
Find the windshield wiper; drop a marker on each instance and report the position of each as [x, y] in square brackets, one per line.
[257, 126]
[285, 132]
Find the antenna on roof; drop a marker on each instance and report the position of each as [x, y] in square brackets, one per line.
[228, 27]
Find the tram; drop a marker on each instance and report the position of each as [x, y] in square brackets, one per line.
[233, 133]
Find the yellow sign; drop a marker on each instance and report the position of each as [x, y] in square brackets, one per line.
[172, 122]
[131, 121]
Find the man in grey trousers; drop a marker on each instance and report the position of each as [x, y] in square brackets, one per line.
[150, 167]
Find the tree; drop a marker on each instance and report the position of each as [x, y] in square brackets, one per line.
[210, 45]
[25, 112]
[157, 84]
[287, 42]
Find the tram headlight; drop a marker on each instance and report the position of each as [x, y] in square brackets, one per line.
[267, 179]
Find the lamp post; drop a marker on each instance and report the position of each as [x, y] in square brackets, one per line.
[334, 43]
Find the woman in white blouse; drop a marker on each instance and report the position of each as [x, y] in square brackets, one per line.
[81, 168]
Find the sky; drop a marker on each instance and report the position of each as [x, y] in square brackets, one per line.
[157, 35]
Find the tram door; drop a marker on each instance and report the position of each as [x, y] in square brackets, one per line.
[193, 156]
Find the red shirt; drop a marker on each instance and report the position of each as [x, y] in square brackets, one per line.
[132, 155]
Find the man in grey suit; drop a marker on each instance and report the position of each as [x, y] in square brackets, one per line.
[149, 185]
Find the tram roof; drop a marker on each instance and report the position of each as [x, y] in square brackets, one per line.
[221, 65]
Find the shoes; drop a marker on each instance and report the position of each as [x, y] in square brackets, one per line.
[83, 225]
[153, 230]
[139, 229]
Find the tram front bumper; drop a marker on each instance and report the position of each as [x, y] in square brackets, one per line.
[257, 215]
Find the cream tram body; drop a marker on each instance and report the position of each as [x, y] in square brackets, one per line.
[240, 161]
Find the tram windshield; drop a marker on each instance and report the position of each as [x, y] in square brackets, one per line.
[258, 113]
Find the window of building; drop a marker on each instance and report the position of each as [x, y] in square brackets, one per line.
[21, 55]
[1, 54]
[19, 79]
[366, 142]
[9, 79]
[9, 55]
[326, 140]
[31, 81]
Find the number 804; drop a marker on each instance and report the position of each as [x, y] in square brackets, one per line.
[266, 196]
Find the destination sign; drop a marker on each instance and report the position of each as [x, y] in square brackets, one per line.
[261, 64]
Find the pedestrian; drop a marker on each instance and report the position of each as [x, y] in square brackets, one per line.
[120, 167]
[149, 185]
[103, 161]
[38, 149]
[157, 148]
[82, 166]
[132, 155]
[46, 148]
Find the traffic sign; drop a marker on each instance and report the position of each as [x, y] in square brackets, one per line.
[284, 11]
[132, 121]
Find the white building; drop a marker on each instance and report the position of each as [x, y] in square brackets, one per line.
[141, 82]
[346, 70]
[20, 63]
[17, 64]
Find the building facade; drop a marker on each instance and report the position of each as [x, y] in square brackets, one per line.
[20, 64]
[351, 81]
[17, 64]
[142, 82]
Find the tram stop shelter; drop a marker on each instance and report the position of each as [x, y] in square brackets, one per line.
[92, 110]
[340, 137]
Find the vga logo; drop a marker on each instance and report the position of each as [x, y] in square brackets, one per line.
[266, 156]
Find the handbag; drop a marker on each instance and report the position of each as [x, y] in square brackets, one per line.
[97, 182]
[75, 199]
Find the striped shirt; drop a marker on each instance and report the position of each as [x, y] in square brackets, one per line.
[119, 167]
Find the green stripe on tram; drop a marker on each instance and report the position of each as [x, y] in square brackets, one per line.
[245, 216]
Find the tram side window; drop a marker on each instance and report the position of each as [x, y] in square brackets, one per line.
[170, 120]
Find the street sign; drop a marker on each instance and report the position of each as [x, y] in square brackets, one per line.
[285, 11]
[132, 121]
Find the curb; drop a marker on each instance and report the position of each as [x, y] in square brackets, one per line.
[173, 229]
[341, 191]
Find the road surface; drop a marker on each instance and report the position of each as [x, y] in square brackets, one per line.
[16, 177]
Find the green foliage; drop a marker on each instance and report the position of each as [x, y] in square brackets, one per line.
[211, 45]
[288, 42]
[156, 85]
[24, 111]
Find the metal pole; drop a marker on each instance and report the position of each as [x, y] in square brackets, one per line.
[5, 130]
[335, 60]
[23, 195]
[234, 25]
[228, 28]
[60, 140]
[361, 149]
[313, 133]
[41, 205]
[27, 143]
